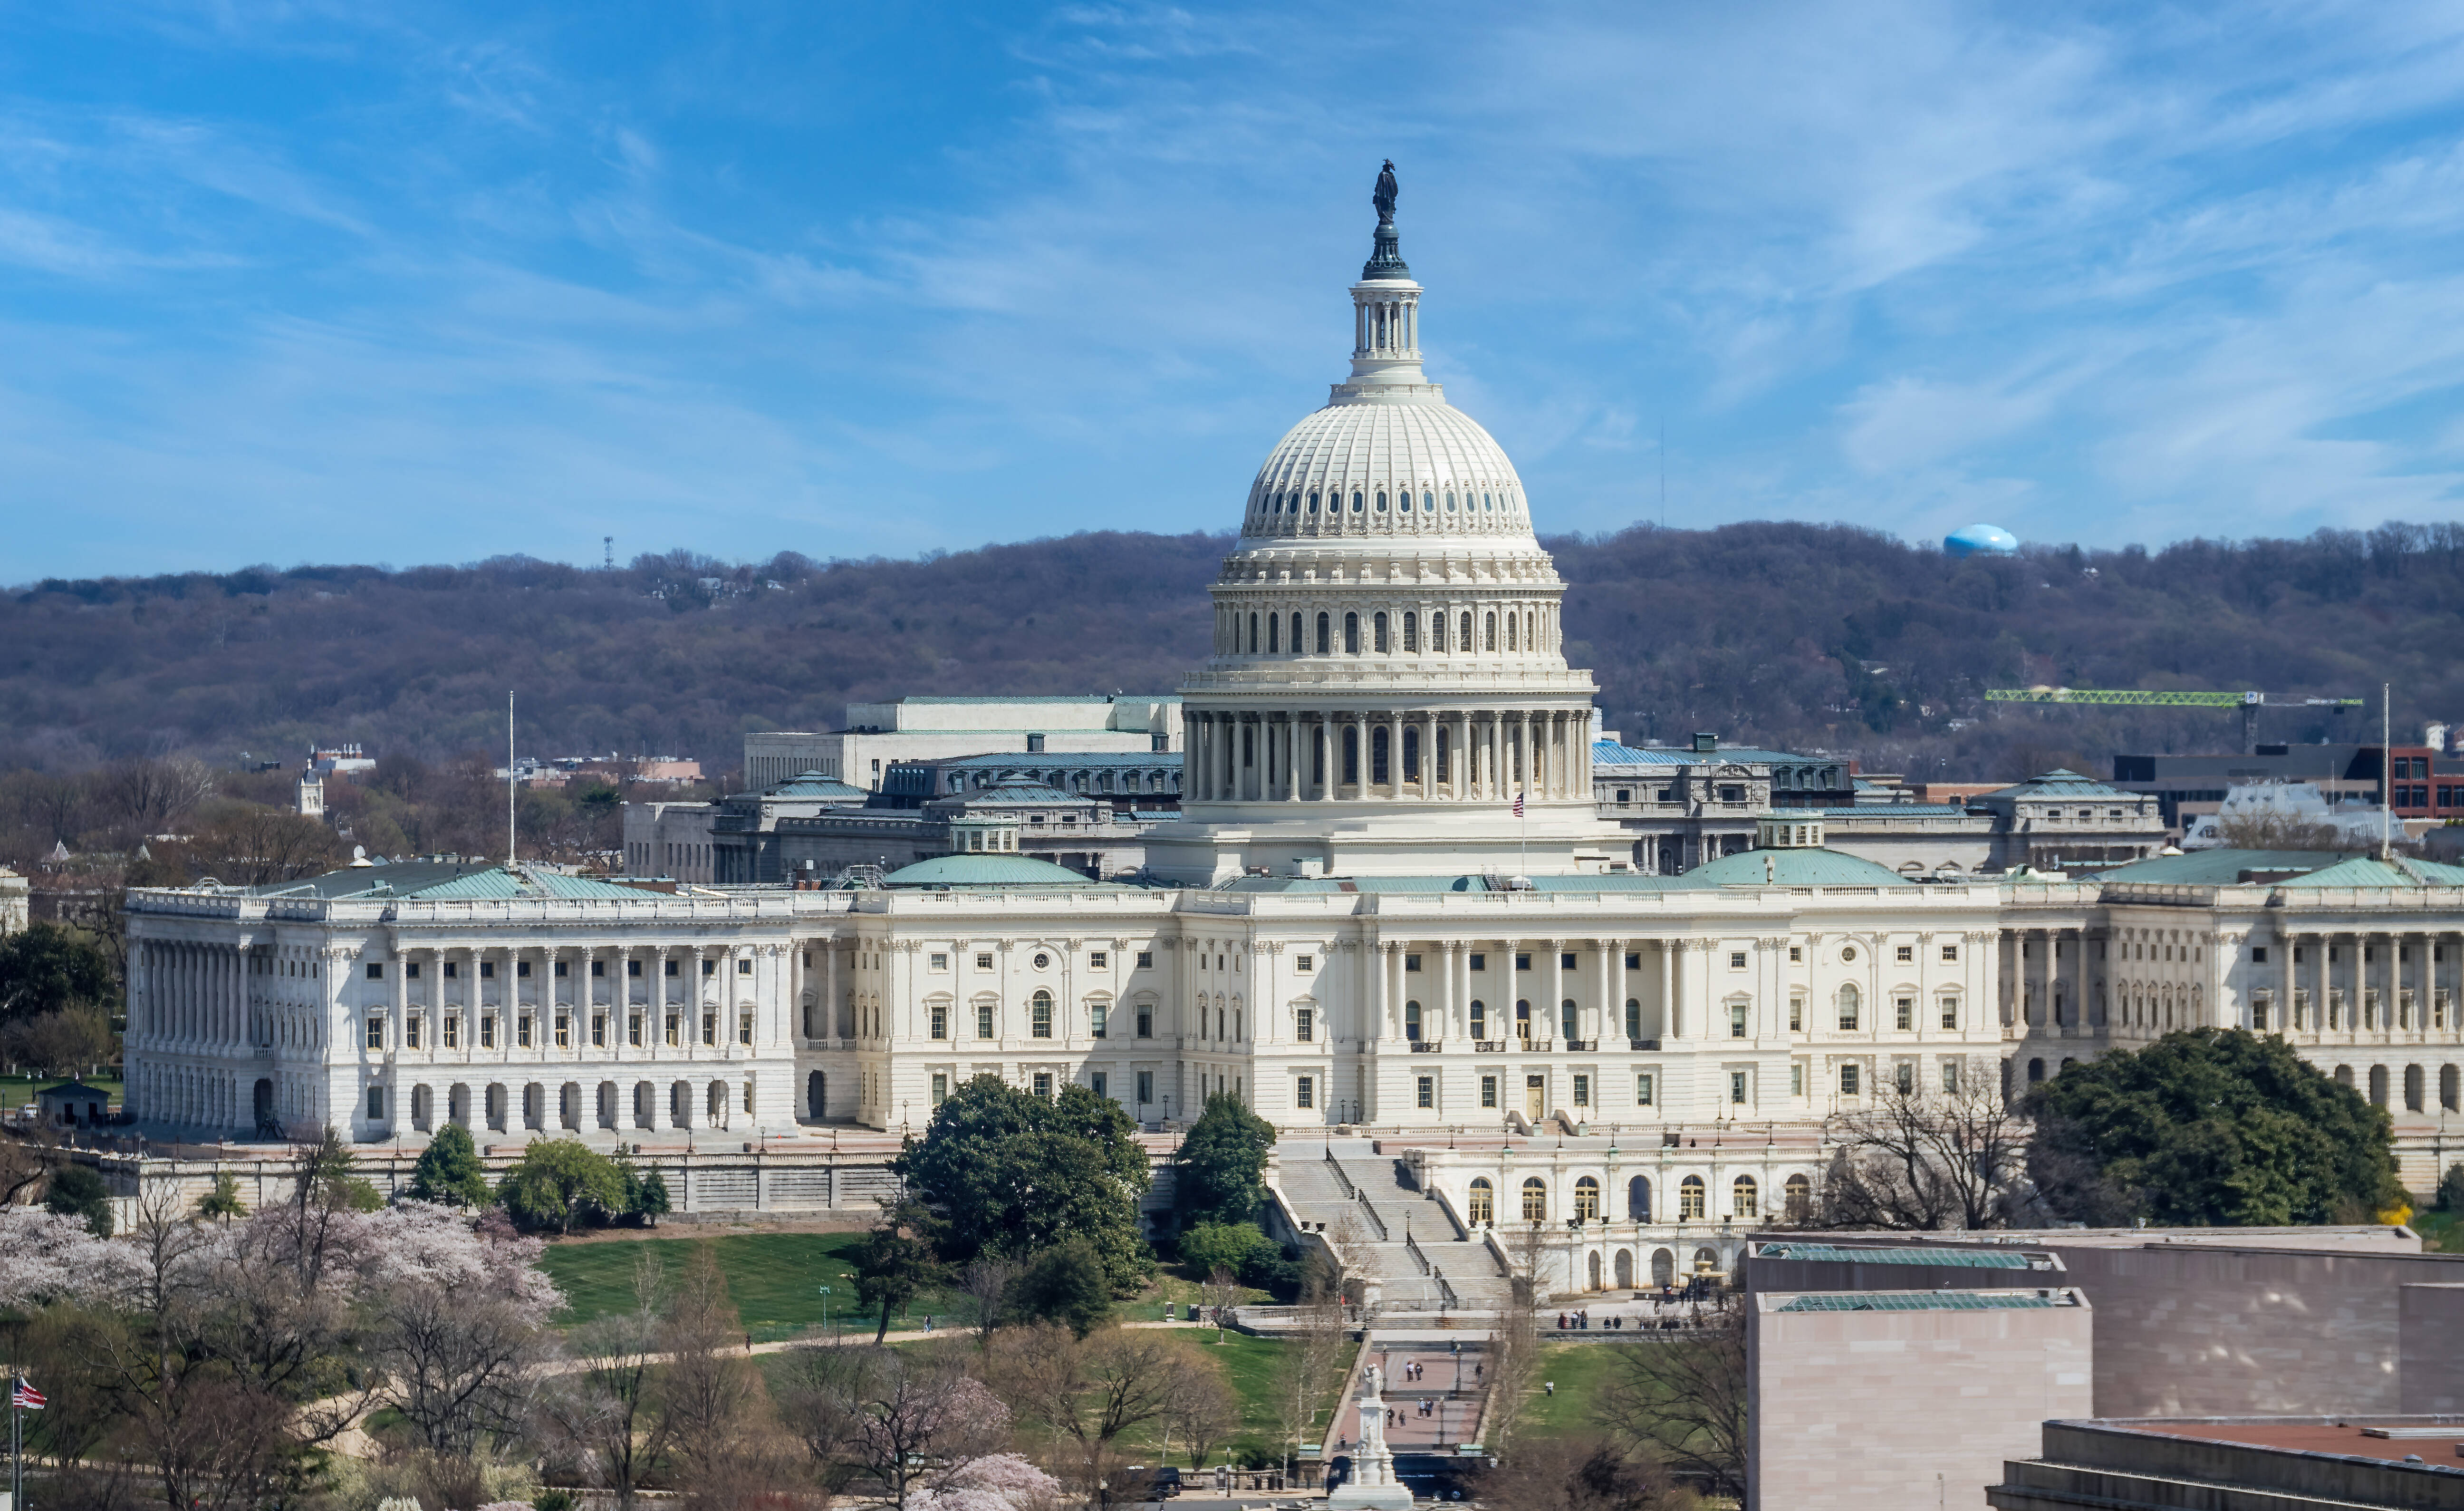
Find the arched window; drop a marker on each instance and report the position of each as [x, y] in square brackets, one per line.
[1638, 1199]
[1634, 1017]
[1689, 1199]
[1325, 636]
[1489, 627]
[1352, 635]
[2035, 1071]
[1450, 499]
[1296, 635]
[1382, 500]
[2378, 1086]
[1565, 1020]
[1743, 1194]
[1799, 1198]
[1380, 766]
[1312, 503]
[2447, 1088]
[1041, 1014]
[1849, 1004]
[1509, 631]
[1462, 641]
[1411, 631]
[1487, 503]
[1587, 1199]
[1479, 1019]
[1253, 635]
[1523, 1020]
[1429, 501]
[1536, 1199]
[2413, 1087]
[1412, 1021]
[1275, 625]
[1378, 630]
[1437, 631]
[2343, 1075]
[1411, 755]
[1403, 502]
[1483, 1202]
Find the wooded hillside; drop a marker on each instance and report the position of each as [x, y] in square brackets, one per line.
[1784, 634]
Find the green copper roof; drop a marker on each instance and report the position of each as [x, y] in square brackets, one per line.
[2361, 871]
[447, 880]
[812, 784]
[989, 871]
[2062, 784]
[1792, 868]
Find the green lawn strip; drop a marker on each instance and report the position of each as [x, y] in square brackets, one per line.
[18, 1091]
[1181, 1293]
[2438, 1231]
[1582, 1373]
[772, 1277]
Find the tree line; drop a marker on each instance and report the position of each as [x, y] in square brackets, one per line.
[1797, 636]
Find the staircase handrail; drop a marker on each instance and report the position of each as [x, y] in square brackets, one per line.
[1349, 1191]
[1375, 1221]
[1413, 1246]
[1444, 1291]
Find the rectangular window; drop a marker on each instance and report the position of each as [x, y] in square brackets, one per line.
[1146, 1021]
[411, 1031]
[744, 1028]
[1305, 1092]
[1796, 1079]
[1796, 1015]
[1099, 1017]
[1634, 960]
[1848, 1080]
[1950, 1012]
[1305, 963]
[1146, 960]
[632, 970]
[1950, 952]
[744, 965]
[1040, 1018]
[1904, 1077]
[1426, 1093]
[709, 968]
[1522, 963]
[709, 1028]
[940, 1021]
[523, 968]
[1736, 1020]
[1488, 1091]
[523, 1031]
[376, 1031]
[940, 1087]
[1044, 1084]
[1643, 1089]
[487, 970]
[1737, 1087]
[1411, 961]
[675, 1029]
[1102, 1084]
[983, 1020]
[1904, 1012]
[564, 1030]
[452, 970]
[1566, 962]
[376, 1104]
[453, 1031]
[1098, 960]
[1582, 1090]
[1906, 954]
[410, 970]
[674, 969]
[1951, 1076]
[984, 961]
[2258, 955]
[1796, 954]
[1305, 1024]
[376, 972]
[1736, 960]
[1477, 962]
[1146, 1088]
[599, 967]
[599, 1030]
[488, 1032]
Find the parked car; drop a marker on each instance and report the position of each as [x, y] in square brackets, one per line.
[1139, 1482]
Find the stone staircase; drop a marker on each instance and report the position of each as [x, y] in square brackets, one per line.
[1396, 1234]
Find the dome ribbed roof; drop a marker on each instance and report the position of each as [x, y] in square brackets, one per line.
[1459, 478]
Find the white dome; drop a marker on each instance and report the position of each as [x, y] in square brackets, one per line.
[1417, 468]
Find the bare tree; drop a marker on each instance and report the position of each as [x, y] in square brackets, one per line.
[147, 796]
[1222, 1293]
[1514, 1346]
[1090, 1391]
[458, 1368]
[1919, 1159]
[896, 1422]
[603, 1411]
[1202, 1416]
[985, 1283]
[1583, 1473]
[1681, 1396]
[715, 1405]
[1312, 1369]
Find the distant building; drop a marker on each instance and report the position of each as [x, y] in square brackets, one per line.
[2289, 1463]
[1980, 540]
[877, 736]
[2288, 806]
[2411, 780]
[311, 799]
[1145, 782]
[17, 901]
[2062, 821]
[670, 839]
[339, 758]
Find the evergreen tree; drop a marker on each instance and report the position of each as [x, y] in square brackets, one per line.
[561, 1182]
[78, 1191]
[1065, 1284]
[1219, 1171]
[449, 1169]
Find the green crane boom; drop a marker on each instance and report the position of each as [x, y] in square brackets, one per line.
[2250, 704]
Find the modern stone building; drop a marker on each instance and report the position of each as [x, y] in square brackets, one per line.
[878, 736]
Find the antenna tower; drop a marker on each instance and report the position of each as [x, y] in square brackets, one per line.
[609, 543]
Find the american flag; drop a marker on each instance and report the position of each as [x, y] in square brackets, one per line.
[1518, 805]
[26, 1398]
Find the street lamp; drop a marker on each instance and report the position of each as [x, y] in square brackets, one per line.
[825, 1308]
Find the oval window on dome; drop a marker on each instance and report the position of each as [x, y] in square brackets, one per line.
[1406, 501]
[1312, 503]
[1487, 503]
[1355, 500]
[1450, 497]
[1428, 502]
[1381, 502]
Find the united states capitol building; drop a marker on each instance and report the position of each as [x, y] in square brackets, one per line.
[1390, 902]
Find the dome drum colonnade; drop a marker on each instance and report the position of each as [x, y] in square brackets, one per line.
[1449, 754]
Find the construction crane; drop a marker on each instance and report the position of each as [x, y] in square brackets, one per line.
[2250, 704]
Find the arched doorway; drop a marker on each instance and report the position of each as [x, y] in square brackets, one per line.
[1638, 1199]
[266, 1125]
[1595, 1270]
[1663, 1268]
[817, 1096]
[1625, 1269]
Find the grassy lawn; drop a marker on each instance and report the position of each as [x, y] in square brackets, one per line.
[772, 1277]
[1581, 1371]
[17, 1091]
[2437, 1229]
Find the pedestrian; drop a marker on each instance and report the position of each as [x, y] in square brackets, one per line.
[1550, 1385]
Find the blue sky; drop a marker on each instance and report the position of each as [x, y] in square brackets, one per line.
[330, 282]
